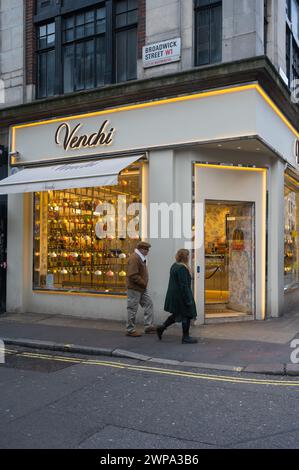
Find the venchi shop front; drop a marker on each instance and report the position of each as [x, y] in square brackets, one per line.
[215, 172]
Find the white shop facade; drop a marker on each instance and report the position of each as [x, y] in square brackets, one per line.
[83, 189]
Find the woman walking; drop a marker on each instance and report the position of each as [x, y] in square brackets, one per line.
[179, 298]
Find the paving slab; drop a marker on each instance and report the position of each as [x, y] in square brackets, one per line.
[130, 354]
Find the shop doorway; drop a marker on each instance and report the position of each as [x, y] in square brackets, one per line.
[230, 263]
[229, 244]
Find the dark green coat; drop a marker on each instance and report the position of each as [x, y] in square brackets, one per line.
[179, 298]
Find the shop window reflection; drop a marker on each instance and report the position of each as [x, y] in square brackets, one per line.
[291, 218]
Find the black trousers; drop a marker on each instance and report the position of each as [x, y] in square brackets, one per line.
[185, 324]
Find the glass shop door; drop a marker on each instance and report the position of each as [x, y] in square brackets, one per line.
[229, 259]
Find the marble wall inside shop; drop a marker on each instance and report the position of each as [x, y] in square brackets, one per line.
[215, 224]
[239, 263]
[241, 258]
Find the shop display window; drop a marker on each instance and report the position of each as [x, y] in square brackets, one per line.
[75, 248]
[291, 247]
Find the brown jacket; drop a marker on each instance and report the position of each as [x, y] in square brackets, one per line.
[137, 275]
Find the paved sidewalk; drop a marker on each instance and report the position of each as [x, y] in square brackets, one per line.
[258, 347]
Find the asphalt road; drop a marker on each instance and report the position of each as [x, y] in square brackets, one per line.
[62, 401]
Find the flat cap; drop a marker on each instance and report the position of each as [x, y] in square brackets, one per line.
[143, 245]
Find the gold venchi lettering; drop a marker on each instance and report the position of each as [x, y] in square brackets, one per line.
[70, 140]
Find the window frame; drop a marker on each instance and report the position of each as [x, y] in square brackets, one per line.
[83, 40]
[120, 29]
[57, 13]
[295, 61]
[292, 43]
[266, 25]
[289, 186]
[288, 9]
[44, 51]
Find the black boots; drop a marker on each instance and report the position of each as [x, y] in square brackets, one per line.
[189, 340]
[159, 331]
[185, 326]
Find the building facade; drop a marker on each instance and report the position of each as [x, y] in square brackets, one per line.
[175, 122]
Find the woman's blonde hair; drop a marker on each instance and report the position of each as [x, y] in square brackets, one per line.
[182, 256]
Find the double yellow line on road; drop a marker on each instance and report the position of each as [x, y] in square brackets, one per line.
[158, 370]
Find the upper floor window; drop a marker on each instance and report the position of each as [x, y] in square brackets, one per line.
[85, 48]
[292, 39]
[126, 40]
[295, 18]
[266, 24]
[295, 62]
[288, 9]
[84, 51]
[208, 32]
[46, 59]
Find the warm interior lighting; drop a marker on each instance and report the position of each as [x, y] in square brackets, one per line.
[264, 213]
[72, 252]
[229, 167]
[145, 205]
[293, 180]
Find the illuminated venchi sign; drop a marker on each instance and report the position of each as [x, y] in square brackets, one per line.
[71, 139]
[125, 129]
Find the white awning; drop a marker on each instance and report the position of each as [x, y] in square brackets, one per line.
[71, 175]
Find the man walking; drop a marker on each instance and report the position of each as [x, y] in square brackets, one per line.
[137, 280]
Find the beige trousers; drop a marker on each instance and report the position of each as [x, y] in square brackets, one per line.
[136, 298]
